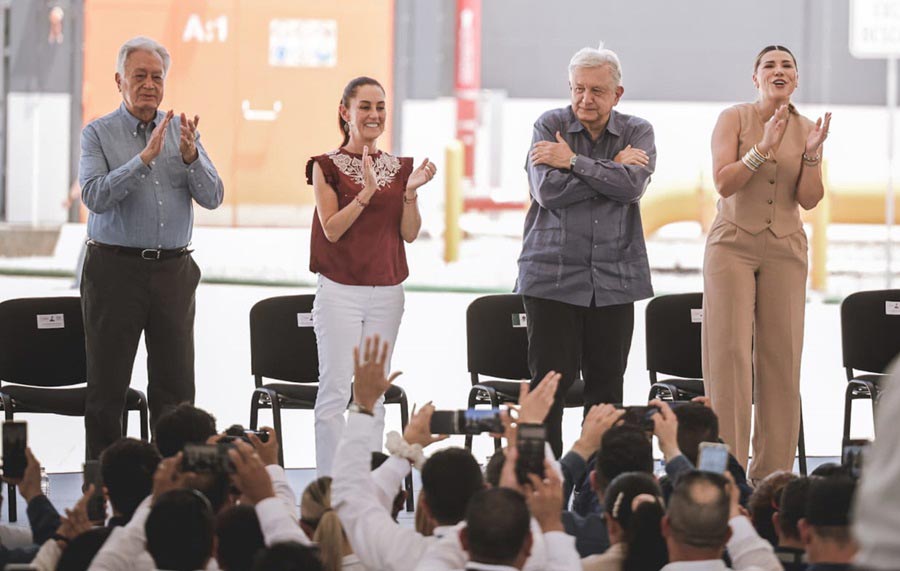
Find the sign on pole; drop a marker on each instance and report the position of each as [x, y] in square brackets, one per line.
[875, 34]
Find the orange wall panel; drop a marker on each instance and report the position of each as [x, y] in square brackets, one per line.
[220, 63]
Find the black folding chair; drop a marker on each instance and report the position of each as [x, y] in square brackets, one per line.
[497, 346]
[673, 325]
[673, 346]
[41, 351]
[283, 348]
[870, 338]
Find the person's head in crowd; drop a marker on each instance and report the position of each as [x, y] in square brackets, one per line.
[791, 509]
[764, 503]
[828, 469]
[182, 425]
[127, 467]
[449, 479]
[321, 523]
[696, 423]
[825, 528]
[238, 538]
[216, 487]
[633, 511]
[623, 448]
[696, 522]
[379, 458]
[497, 530]
[287, 556]
[180, 531]
[82, 548]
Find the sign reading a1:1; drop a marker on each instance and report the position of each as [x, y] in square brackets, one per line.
[875, 28]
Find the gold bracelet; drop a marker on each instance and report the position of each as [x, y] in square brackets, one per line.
[811, 161]
[410, 200]
[754, 159]
[360, 202]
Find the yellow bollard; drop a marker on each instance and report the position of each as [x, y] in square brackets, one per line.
[821, 216]
[453, 199]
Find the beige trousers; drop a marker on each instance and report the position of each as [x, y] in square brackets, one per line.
[754, 299]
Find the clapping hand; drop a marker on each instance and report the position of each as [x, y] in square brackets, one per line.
[188, 143]
[773, 130]
[157, 140]
[599, 419]
[421, 175]
[817, 135]
[557, 155]
[370, 181]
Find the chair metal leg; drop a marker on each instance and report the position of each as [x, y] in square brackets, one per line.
[10, 489]
[873, 395]
[404, 420]
[125, 421]
[801, 445]
[276, 420]
[473, 401]
[848, 410]
[254, 411]
[144, 414]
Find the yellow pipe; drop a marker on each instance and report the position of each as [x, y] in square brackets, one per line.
[453, 197]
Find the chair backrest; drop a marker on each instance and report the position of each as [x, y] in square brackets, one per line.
[496, 337]
[42, 342]
[673, 335]
[870, 329]
[283, 341]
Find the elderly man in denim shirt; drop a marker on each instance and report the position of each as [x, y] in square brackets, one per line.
[141, 171]
[583, 261]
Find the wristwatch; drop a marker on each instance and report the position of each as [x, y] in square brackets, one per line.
[572, 162]
[356, 407]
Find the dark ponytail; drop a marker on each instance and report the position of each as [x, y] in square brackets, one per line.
[350, 93]
[645, 547]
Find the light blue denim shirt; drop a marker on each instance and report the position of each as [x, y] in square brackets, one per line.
[583, 236]
[135, 205]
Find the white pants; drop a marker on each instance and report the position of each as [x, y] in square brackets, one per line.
[343, 317]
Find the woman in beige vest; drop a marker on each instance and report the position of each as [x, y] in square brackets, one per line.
[767, 162]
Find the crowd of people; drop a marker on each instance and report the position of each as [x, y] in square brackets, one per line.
[600, 507]
[196, 499]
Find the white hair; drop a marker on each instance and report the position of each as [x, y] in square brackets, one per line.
[597, 57]
[142, 43]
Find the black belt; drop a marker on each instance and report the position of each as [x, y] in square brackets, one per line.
[143, 253]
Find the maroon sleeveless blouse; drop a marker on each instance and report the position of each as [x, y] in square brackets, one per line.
[371, 251]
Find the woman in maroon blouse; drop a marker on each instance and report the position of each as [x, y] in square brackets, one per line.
[365, 209]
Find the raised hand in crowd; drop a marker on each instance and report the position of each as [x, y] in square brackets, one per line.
[632, 156]
[76, 521]
[545, 499]
[369, 381]
[268, 450]
[157, 140]
[30, 482]
[534, 405]
[704, 400]
[599, 419]
[665, 428]
[418, 430]
[188, 142]
[169, 476]
[250, 476]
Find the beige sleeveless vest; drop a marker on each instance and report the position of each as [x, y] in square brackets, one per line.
[769, 199]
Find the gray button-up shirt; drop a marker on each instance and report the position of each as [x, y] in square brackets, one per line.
[136, 205]
[583, 235]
